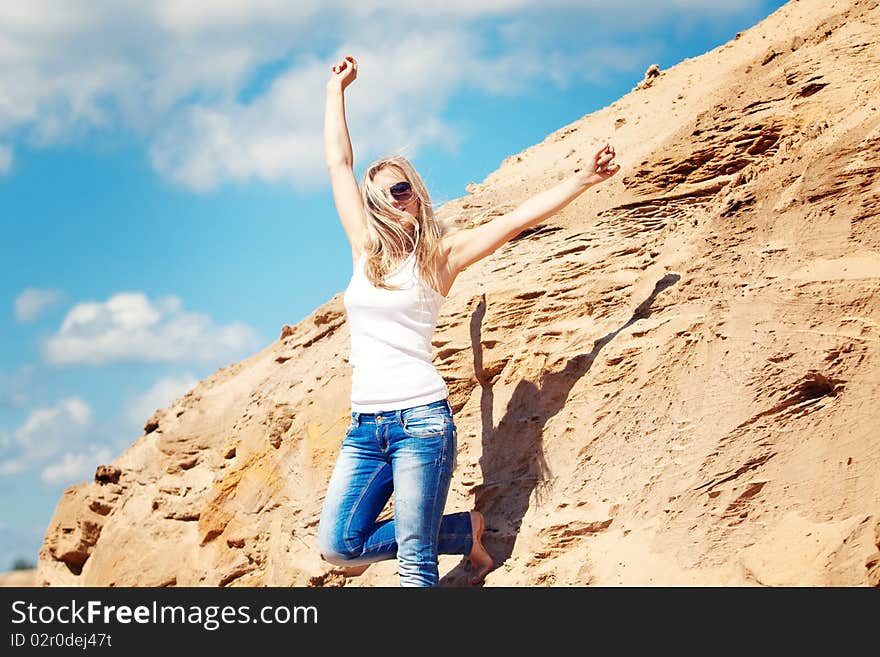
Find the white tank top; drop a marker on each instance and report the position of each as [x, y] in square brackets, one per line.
[391, 352]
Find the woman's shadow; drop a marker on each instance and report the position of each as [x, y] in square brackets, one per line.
[512, 461]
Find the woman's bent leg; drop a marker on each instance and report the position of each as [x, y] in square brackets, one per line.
[359, 488]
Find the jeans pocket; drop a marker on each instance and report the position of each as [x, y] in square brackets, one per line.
[425, 425]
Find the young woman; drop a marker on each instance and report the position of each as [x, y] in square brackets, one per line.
[402, 437]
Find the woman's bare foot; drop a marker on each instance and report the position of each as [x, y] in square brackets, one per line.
[481, 560]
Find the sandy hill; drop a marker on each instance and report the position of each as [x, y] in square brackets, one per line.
[672, 382]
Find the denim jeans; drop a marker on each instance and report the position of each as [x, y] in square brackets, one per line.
[410, 452]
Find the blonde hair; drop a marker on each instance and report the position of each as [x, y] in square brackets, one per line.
[388, 244]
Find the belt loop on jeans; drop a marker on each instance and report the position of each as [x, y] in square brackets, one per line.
[356, 418]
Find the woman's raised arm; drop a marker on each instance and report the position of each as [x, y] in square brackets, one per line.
[339, 155]
[468, 246]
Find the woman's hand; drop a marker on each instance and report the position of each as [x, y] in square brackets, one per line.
[344, 73]
[601, 166]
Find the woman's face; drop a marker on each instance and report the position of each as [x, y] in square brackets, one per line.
[389, 176]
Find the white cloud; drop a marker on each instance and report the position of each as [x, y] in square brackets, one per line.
[160, 395]
[279, 134]
[32, 301]
[128, 327]
[46, 432]
[78, 466]
[186, 75]
[51, 440]
[44, 425]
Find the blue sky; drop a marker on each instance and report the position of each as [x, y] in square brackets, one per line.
[163, 199]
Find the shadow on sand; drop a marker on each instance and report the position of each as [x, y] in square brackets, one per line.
[512, 460]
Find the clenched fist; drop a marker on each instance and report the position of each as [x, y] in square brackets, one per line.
[344, 73]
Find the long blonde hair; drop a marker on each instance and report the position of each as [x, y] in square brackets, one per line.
[388, 244]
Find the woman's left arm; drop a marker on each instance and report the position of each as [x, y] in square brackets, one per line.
[468, 246]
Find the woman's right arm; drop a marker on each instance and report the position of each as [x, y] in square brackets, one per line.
[339, 156]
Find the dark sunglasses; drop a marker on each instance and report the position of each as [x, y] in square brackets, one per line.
[401, 191]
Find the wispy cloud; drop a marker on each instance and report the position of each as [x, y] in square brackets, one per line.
[128, 327]
[45, 433]
[160, 395]
[32, 301]
[62, 443]
[224, 91]
[75, 466]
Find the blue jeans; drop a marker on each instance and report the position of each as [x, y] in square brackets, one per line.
[410, 452]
